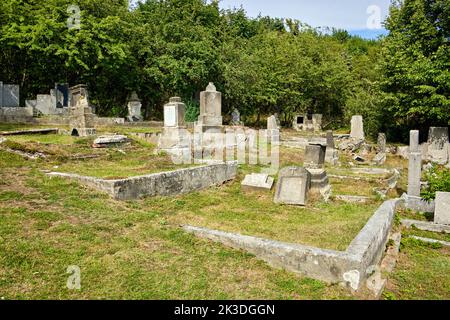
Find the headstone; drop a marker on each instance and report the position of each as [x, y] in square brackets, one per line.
[381, 142]
[380, 158]
[415, 165]
[293, 186]
[236, 118]
[134, 108]
[272, 123]
[210, 118]
[1, 94]
[442, 211]
[437, 144]
[314, 156]
[331, 154]
[330, 140]
[357, 130]
[175, 138]
[258, 181]
[10, 96]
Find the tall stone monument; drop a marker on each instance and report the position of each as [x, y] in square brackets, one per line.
[357, 128]
[210, 118]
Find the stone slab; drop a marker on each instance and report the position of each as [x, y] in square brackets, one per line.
[293, 186]
[442, 212]
[258, 181]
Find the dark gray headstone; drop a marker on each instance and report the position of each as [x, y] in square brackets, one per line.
[330, 140]
[11, 96]
[314, 156]
[1, 94]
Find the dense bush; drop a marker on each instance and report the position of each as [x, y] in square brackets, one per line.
[438, 178]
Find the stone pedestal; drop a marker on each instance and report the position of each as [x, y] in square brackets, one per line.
[81, 118]
[175, 139]
[320, 183]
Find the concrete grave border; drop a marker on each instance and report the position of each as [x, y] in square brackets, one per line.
[159, 184]
[351, 267]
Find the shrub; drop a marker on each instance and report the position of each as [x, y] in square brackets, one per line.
[438, 178]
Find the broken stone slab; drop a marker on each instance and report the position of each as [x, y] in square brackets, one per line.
[418, 204]
[106, 141]
[258, 181]
[426, 226]
[428, 240]
[30, 132]
[359, 159]
[352, 199]
[379, 159]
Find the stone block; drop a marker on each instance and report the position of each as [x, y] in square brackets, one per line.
[442, 212]
[314, 156]
[357, 128]
[258, 181]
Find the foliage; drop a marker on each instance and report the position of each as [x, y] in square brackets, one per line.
[438, 180]
[416, 65]
[192, 111]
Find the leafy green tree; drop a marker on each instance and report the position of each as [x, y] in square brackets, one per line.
[416, 67]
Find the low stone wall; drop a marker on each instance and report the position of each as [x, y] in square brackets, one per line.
[160, 184]
[351, 267]
[15, 114]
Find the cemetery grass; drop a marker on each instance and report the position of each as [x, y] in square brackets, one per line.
[422, 272]
[125, 250]
[76, 155]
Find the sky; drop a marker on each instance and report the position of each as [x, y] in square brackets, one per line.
[361, 17]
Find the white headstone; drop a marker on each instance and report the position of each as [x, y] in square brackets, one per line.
[357, 130]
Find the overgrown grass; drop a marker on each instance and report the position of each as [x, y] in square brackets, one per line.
[422, 272]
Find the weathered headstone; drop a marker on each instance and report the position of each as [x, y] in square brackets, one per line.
[357, 128]
[442, 211]
[331, 154]
[236, 118]
[134, 108]
[437, 144]
[210, 118]
[415, 165]
[76, 92]
[10, 96]
[258, 181]
[320, 182]
[314, 156]
[381, 143]
[293, 186]
[1, 94]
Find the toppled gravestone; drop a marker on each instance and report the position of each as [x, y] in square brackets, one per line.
[257, 181]
[109, 141]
